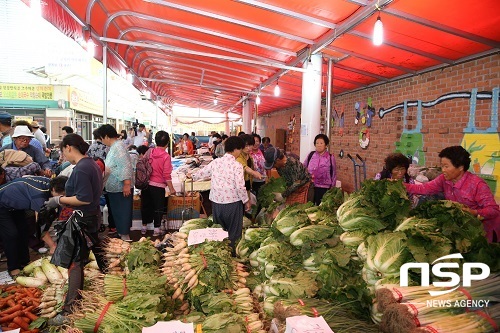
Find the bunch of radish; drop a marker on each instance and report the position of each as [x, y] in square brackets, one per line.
[52, 300]
[115, 249]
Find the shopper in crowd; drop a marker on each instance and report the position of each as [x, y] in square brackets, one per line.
[120, 183]
[37, 132]
[46, 137]
[322, 167]
[153, 197]
[123, 135]
[16, 199]
[21, 141]
[97, 149]
[247, 162]
[134, 155]
[459, 185]
[293, 172]
[83, 192]
[130, 137]
[194, 140]
[142, 150]
[258, 162]
[266, 143]
[228, 194]
[185, 145]
[211, 140]
[241, 133]
[66, 130]
[140, 136]
[217, 140]
[35, 143]
[219, 150]
[5, 128]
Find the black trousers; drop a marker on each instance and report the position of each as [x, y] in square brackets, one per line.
[319, 192]
[152, 205]
[14, 234]
[230, 217]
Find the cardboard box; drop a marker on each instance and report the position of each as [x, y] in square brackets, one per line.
[179, 202]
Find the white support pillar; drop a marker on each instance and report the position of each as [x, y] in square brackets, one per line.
[311, 104]
[105, 83]
[246, 116]
[227, 131]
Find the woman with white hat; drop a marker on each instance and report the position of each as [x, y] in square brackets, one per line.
[21, 141]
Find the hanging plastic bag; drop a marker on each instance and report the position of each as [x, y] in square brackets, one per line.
[72, 243]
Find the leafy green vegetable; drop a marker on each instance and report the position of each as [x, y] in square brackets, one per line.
[142, 254]
[265, 196]
[386, 252]
[311, 234]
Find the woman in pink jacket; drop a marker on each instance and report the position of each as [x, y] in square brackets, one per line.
[458, 184]
[153, 197]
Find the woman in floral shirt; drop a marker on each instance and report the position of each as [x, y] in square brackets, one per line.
[120, 183]
[227, 193]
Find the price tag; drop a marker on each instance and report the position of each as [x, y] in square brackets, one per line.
[174, 326]
[305, 324]
[199, 236]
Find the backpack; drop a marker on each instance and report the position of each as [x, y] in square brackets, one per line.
[143, 171]
[331, 165]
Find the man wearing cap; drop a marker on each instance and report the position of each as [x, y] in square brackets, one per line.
[292, 170]
[38, 134]
[21, 141]
[5, 128]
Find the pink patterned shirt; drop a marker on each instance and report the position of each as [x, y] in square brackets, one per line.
[228, 184]
[471, 191]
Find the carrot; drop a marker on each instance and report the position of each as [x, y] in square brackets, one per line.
[13, 325]
[30, 315]
[11, 303]
[24, 325]
[15, 287]
[12, 309]
[25, 319]
[10, 317]
[28, 292]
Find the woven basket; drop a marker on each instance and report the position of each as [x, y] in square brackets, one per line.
[299, 195]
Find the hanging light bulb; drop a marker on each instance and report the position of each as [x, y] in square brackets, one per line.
[90, 47]
[257, 100]
[277, 89]
[378, 32]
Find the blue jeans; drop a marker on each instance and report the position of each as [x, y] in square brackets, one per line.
[121, 209]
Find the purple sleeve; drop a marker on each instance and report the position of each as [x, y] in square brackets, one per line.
[334, 168]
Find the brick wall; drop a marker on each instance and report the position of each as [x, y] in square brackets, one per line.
[442, 125]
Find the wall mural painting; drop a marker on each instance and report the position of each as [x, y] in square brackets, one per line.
[482, 144]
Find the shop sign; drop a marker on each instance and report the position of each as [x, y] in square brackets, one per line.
[84, 101]
[467, 275]
[26, 91]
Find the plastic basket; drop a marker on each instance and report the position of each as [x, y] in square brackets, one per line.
[299, 196]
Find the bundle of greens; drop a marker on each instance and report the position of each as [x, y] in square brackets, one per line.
[251, 240]
[337, 315]
[140, 281]
[142, 254]
[332, 200]
[193, 224]
[389, 199]
[301, 285]
[240, 301]
[130, 314]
